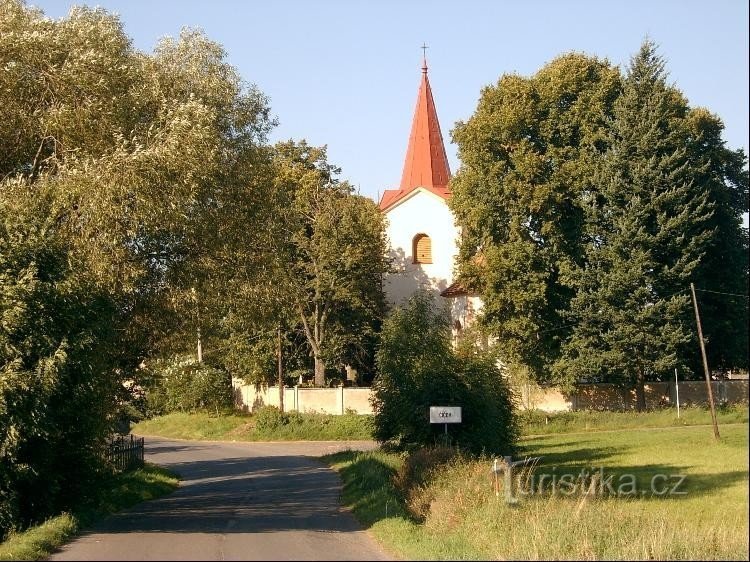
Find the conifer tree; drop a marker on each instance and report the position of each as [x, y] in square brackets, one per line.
[647, 230]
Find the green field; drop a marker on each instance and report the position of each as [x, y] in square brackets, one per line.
[239, 427]
[110, 495]
[461, 512]
[540, 423]
[323, 427]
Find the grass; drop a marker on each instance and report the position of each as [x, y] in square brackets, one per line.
[323, 427]
[461, 516]
[536, 422]
[111, 495]
[238, 427]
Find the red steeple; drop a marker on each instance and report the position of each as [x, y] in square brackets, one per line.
[426, 163]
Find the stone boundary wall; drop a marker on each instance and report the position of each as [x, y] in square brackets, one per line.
[605, 396]
[341, 400]
[337, 400]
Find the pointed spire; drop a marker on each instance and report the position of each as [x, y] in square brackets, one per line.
[426, 163]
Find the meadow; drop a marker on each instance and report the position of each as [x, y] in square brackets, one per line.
[233, 426]
[244, 427]
[665, 493]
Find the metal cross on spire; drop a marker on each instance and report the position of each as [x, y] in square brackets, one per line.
[424, 48]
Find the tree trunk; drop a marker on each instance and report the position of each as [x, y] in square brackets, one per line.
[320, 371]
[280, 370]
[640, 391]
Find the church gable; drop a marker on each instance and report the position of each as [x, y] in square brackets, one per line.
[421, 229]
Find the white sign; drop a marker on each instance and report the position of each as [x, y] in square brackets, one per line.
[445, 414]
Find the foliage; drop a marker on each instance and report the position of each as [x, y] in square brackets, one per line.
[274, 427]
[107, 496]
[127, 181]
[528, 154]
[332, 260]
[269, 417]
[646, 233]
[322, 287]
[539, 156]
[58, 386]
[184, 385]
[722, 173]
[417, 368]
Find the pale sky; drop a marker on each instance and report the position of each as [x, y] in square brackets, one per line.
[345, 73]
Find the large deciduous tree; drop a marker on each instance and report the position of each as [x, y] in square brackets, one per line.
[527, 155]
[332, 255]
[126, 180]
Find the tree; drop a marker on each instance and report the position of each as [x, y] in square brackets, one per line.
[528, 155]
[418, 368]
[331, 257]
[59, 383]
[126, 181]
[723, 272]
[530, 181]
[648, 229]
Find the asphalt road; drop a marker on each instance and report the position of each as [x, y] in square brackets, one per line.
[236, 501]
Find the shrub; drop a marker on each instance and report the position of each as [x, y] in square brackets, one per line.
[182, 384]
[59, 372]
[418, 368]
[269, 418]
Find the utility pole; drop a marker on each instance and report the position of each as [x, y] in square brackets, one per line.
[200, 347]
[198, 319]
[281, 370]
[705, 363]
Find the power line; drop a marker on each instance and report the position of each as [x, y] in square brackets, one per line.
[720, 293]
[230, 344]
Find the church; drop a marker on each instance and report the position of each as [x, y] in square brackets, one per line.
[421, 228]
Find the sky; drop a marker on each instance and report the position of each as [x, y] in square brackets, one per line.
[345, 73]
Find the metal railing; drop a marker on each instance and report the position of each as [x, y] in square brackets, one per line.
[125, 453]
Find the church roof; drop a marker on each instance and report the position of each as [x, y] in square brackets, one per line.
[426, 164]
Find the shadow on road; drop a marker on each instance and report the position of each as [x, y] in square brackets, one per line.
[237, 494]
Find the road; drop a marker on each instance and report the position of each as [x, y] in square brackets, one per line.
[236, 501]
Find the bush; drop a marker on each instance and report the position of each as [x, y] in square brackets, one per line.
[184, 385]
[418, 368]
[59, 374]
[269, 418]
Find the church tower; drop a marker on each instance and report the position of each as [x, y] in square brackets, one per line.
[421, 229]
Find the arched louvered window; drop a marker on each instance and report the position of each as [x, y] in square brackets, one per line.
[422, 249]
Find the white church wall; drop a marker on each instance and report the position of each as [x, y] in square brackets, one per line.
[464, 311]
[420, 213]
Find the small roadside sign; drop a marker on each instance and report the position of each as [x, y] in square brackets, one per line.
[445, 414]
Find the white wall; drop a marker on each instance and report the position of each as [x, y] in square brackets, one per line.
[421, 212]
[337, 401]
[465, 309]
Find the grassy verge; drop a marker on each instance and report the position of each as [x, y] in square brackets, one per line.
[237, 427]
[322, 427]
[111, 495]
[536, 422]
[456, 513]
